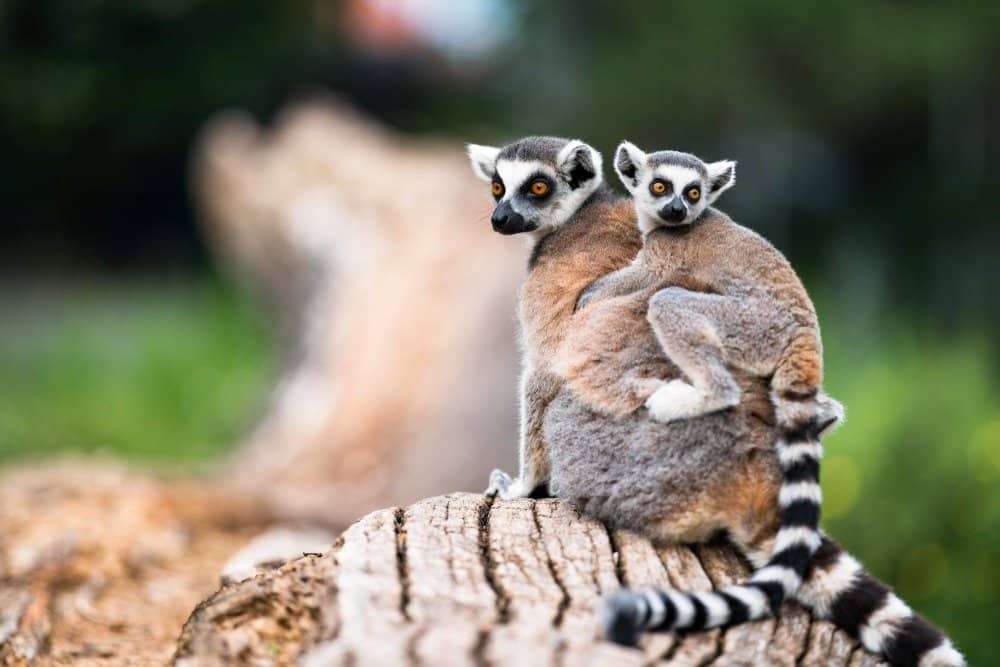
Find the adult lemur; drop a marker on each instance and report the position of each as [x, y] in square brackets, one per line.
[680, 481]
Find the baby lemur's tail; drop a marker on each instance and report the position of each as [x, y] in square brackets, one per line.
[802, 563]
[626, 613]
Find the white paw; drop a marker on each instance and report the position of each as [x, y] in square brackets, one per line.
[504, 487]
[499, 483]
[676, 400]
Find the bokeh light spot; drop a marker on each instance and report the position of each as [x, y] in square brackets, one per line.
[841, 485]
[984, 451]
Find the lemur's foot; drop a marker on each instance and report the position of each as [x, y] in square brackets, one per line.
[820, 412]
[505, 487]
[679, 400]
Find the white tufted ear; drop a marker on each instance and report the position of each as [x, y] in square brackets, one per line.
[629, 161]
[721, 177]
[484, 160]
[580, 164]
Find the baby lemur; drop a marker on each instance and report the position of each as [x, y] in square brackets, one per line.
[725, 298]
[682, 481]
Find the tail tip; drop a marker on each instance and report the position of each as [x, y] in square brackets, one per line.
[619, 618]
[944, 655]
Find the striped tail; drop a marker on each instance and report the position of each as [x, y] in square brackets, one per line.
[626, 613]
[838, 588]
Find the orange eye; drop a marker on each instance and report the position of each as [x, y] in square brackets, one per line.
[497, 189]
[658, 187]
[539, 188]
[694, 194]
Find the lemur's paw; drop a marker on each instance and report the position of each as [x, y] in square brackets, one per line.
[505, 487]
[499, 483]
[618, 617]
[676, 400]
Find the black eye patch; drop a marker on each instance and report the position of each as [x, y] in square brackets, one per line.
[692, 192]
[498, 188]
[527, 188]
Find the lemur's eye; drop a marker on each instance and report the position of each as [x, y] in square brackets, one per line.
[694, 194]
[658, 187]
[539, 188]
[497, 189]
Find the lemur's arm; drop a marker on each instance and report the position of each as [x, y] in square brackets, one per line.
[627, 280]
[538, 389]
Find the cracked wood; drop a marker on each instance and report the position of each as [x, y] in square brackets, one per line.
[466, 580]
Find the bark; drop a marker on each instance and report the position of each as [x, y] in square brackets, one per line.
[465, 580]
[100, 566]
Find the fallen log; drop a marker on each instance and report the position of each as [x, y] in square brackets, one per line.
[463, 579]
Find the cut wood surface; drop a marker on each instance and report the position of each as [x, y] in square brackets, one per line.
[463, 579]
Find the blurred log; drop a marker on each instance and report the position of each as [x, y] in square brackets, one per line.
[99, 566]
[463, 579]
[392, 299]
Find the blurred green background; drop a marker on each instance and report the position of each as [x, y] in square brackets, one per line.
[868, 136]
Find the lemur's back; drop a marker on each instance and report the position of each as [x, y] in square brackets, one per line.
[612, 338]
[602, 238]
[717, 255]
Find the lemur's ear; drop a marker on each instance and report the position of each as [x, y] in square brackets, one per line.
[579, 163]
[629, 161]
[484, 160]
[721, 177]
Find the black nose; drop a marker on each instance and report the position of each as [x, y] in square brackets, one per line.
[673, 212]
[506, 221]
[499, 220]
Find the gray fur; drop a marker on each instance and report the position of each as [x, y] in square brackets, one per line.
[679, 159]
[636, 473]
[544, 149]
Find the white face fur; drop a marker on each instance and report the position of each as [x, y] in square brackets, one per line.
[671, 188]
[536, 193]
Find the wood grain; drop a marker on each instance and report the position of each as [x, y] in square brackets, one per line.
[466, 580]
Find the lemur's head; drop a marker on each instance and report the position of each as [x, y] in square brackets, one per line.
[671, 188]
[537, 182]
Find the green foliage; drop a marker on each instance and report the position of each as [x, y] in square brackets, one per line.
[912, 481]
[167, 373]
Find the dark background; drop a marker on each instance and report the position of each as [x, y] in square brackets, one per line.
[867, 136]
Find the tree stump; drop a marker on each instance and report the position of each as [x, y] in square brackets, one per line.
[463, 579]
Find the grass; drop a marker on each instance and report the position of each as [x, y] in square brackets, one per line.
[911, 483]
[168, 372]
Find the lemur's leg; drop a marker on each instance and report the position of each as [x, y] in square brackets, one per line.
[798, 376]
[686, 325]
[538, 389]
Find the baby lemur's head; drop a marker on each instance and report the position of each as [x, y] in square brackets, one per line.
[537, 182]
[671, 188]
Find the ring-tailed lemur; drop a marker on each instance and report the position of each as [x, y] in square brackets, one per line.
[682, 481]
[724, 298]
[539, 183]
